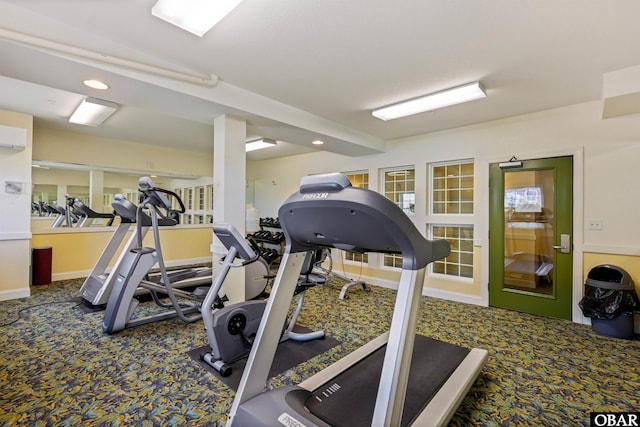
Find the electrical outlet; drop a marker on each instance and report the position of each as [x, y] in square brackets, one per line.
[594, 224]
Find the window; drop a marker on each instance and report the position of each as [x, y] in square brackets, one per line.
[460, 261]
[452, 215]
[188, 199]
[210, 197]
[174, 201]
[358, 179]
[200, 199]
[452, 186]
[399, 186]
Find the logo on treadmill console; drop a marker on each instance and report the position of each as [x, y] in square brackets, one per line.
[324, 195]
[287, 420]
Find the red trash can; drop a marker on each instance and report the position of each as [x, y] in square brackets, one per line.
[41, 265]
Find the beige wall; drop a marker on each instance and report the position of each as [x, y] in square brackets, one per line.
[75, 251]
[629, 263]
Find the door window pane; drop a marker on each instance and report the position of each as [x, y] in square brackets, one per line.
[528, 232]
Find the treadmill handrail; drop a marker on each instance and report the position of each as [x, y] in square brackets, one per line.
[88, 212]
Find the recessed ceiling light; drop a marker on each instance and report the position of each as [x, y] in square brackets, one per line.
[318, 142]
[96, 84]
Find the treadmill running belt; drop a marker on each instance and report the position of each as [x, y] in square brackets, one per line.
[349, 399]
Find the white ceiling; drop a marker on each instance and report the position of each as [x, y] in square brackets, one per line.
[301, 69]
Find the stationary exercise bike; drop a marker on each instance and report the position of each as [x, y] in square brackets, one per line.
[231, 330]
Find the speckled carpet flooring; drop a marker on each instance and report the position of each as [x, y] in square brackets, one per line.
[57, 368]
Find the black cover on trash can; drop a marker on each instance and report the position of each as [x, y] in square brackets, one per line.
[609, 293]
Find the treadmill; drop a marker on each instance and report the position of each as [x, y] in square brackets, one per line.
[397, 379]
[87, 215]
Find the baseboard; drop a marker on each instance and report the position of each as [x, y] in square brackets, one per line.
[452, 296]
[68, 275]
[15, 294]
[428, 292]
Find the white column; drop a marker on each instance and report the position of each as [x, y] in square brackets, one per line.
[229, 176]
[96, 190]
[15, 203]
[61, 199]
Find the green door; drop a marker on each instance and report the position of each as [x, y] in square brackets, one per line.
[530, 236]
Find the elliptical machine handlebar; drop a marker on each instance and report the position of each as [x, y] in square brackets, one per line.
[155, 196]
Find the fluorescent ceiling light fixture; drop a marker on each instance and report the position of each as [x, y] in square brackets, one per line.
[93, 112]
[445, 98]
[195, 16]
[318, 142]
[259, 144]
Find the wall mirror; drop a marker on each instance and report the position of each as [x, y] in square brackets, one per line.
[97, 186]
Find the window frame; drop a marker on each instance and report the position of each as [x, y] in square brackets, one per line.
[382, 173]
[444, 219]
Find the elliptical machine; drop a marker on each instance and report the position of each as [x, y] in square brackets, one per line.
[231, 330]
[134, 268]
[98, 286]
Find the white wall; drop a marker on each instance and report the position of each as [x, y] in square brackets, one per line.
[606, 155]
[15, 207]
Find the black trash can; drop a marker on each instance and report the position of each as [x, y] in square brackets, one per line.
[610, 300]
[41, 259]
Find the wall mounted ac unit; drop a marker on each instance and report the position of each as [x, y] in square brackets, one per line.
[13, 138]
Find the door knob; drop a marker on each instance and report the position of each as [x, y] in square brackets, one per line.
[565, 244]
